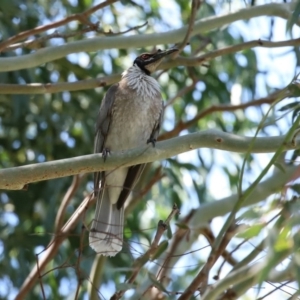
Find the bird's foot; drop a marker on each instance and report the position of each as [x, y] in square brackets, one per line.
[152, 141]
[105, 153]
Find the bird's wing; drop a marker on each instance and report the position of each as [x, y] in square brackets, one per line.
[135, 172]
[102, 127]
[156, 128]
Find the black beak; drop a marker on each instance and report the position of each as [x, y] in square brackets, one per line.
[160, 54]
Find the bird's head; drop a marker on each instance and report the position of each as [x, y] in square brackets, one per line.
[148, 62]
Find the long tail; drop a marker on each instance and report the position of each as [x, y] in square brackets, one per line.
[106, 234]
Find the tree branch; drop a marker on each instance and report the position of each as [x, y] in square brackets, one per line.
[281, 94]
[180, 93]
[143, 259]
[244, 273]
[202, 216]
[202, 277]
[52, 248]
[196, 60]
[44, 55]
[65, 201]
[79, 17]
[38, 88]
[242, 279]
[194, 9]
[39, 42]
[18, 177]
[205, 213]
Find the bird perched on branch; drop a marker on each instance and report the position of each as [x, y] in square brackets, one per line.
[130, 116]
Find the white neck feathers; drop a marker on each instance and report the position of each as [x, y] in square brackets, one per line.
[143, 84]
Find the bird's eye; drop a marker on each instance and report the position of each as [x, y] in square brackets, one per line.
[145, 56]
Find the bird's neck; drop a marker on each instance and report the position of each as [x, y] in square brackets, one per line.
[138, 80]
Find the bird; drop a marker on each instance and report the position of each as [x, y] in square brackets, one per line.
[130, 116]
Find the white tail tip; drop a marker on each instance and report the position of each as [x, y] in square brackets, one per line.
[105, 243]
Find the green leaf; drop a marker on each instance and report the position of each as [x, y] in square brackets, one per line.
[294, 18]
[295, 114]
[294, 89]
[162, 247]
[182, 226]
[156, 283]
[251, 231]
[284, 240]
[273, 260]
[250, 214]
[289, 106]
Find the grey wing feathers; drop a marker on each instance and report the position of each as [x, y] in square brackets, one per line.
[102, 126]
[157, 125]
[132, 177]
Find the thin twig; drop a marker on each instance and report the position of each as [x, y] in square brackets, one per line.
[143, 259]
[53, 246]
[79, 17]
[201, 280]
[276, 288]
[228, 257]
[58, 222]
[77, 266]
[67, 198]
[208, 234]
[39, 42]
[191, 61]
[42, 88]
[205, 41]
[181, 125]
[178, 237]
[40, 277]
[182, 92]
[236, 282]
[194, 9]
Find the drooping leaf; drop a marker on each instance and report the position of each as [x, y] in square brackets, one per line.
[162, 247]
[156, 283]
[251, 231]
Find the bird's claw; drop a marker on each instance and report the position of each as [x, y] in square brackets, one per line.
[105, 153]
[152, 141]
